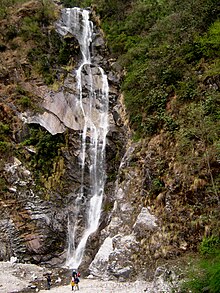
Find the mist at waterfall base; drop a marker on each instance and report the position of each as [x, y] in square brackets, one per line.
[92, 103]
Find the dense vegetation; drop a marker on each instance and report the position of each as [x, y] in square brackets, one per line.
[45, 151]
[204, 276]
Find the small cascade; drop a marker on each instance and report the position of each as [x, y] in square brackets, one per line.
[92, 102]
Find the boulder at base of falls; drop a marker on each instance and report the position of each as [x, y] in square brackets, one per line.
[113, 259]
[99, 265]
[145, 223]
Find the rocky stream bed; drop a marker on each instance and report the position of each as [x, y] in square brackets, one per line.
[28, 278]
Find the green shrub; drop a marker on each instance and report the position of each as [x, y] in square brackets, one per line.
[52, 52]
[209, 42]
[212, 105]
[209, 245]
[47, 149]
[6, 4]
[20, 90]
[4, 135]
[150, 126]
[76, 3]
[157, 186]
[169, 123]
[11, 33]
[46, 43]
[4, 128]
[24, 101]
[206, 271]
[187, 89]
[205, 275]
[30, 29]
[5, 147]
[3, 185]
[46, 14]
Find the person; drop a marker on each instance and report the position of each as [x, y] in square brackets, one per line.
[48, 282]
[76, 281]
[74, 274]
[72, 283]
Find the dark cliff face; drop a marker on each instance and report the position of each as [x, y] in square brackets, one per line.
[40, 174]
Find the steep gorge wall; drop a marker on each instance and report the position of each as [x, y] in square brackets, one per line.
[156, 207]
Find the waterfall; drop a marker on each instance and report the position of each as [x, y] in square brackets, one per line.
[92, 102]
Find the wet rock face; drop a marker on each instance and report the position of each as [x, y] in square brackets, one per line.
[62, 108]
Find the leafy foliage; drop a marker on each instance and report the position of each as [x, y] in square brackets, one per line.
[6, 4]
[76, 3]
[4, 128]
[209, 244]
[50, 54]
[47, 150]
[5, 145]
[159, 43]
[206, 273]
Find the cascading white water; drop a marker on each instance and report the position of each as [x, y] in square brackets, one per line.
[93, 103]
